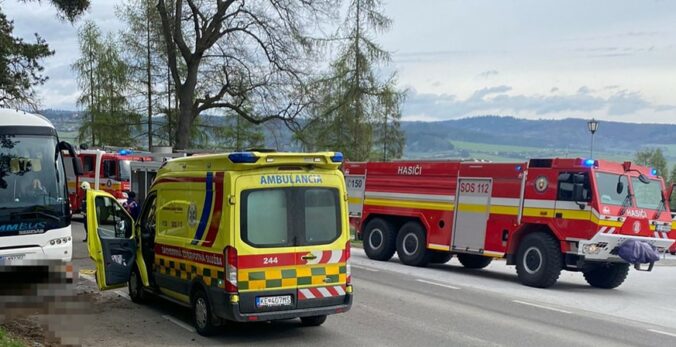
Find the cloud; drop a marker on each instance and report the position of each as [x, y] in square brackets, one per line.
[500, 99]
[487, 74]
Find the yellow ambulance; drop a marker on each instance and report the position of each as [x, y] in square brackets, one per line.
[245, 236]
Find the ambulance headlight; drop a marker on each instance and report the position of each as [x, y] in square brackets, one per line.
[242, 157]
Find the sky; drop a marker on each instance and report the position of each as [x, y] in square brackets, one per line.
[603, 59]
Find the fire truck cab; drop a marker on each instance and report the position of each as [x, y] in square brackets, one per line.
[104, 170]
[544, 215]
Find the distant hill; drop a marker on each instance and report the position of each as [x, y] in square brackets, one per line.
[489, 137]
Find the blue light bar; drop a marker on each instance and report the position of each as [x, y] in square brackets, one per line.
[653, 171]
[518, 168]
[242, 157]
[124, 152]
[337, 157]
[589, 162]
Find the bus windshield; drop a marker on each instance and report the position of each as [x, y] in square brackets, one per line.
[32, 185]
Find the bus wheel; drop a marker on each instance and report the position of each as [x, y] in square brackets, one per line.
[136, 292]
[412, 245]
[539, 260]
[607, 276]
[379, 240]
[473, 261]
[437, 257]
[205, 323]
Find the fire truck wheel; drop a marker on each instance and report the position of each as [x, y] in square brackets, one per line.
[412, 245]
[607, 276]
[473, 261]
[539, 260]
[440, 257]
[379, 239]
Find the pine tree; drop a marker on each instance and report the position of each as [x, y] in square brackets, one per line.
[355, 103]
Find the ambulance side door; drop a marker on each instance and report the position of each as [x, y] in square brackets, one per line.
[111, 241]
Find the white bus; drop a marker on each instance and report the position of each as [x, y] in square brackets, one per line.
[35, 225]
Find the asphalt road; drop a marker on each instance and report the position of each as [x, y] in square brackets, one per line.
[396, 305]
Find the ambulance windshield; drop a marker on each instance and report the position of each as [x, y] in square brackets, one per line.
[284, 217]
[647, 195]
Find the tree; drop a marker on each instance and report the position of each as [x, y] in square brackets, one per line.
[144, 45]
[356, 104]
[103, 77]
[673, 175]
[653, 157]
[20, 69]
[238, 52]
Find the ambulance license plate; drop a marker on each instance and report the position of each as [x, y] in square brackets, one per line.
[273, 301]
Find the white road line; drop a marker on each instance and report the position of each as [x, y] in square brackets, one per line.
[541, 306]
[88, 277]
[437, 284]
[179, 323]
[662, 332]
[364, 268]
[123, 294]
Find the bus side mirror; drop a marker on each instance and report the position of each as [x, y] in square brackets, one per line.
[77, 163]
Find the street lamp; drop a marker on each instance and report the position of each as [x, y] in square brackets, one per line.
[592, 125]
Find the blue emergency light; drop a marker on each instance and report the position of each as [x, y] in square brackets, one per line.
[124, 152]
[337, 157]
[653, 171]
[589, 162]
[242, 157]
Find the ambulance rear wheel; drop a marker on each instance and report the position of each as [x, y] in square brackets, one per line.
[607, 276]
[473, 261]
[412, 245]
[313, 321]
[379, 239]
[437, 257]
[539, 260]
[204, 321]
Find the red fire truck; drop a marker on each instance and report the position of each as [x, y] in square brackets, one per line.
[104, 170]
[544, 215]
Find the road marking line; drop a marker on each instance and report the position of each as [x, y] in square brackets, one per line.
[541, 306]
[88, 277]
[437, 284]
[365, 268]
[179, 323]
[123, 294]
[662, 332]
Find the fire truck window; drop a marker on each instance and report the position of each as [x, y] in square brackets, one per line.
[109, 168]
[88, 163]
[606, 183]
[567, 181]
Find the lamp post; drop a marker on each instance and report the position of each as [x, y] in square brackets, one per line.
[592, 125]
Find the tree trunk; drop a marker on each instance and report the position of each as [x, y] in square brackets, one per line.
[149, 85]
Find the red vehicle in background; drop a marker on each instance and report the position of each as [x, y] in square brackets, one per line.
[544, 215]
[104, 170]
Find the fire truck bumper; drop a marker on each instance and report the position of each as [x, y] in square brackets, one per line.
[603, 247]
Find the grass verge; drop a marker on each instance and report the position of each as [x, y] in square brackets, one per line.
[7, 341]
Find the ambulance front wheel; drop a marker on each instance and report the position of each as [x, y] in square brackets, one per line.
[412, 245]
[205, 323]
[136, 292]
[379, 239]
[313, 321]
[539, 260]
